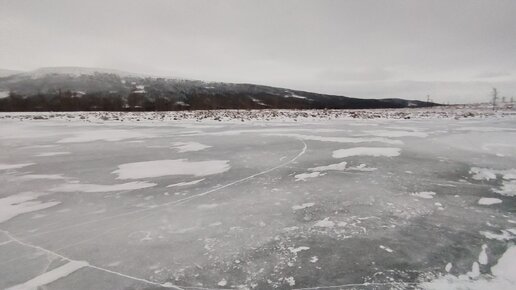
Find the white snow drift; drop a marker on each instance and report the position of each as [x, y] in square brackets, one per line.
[182, 147]
[25, 202]
[367, 151]
[489, 201]
[159, 168]
[50, 276]
[4, 166]
[78, 187]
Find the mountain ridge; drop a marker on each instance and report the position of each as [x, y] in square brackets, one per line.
[78, 88]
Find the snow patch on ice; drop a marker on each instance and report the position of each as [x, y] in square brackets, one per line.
[489, 201]
[4, 166]
[338, 166]
[448, 267]
[50, 276]
[84, 187]
[41, 176]
[222, 283]
[482, 257]
[298, 249]
[482, 173]
[367, 151]
[303, 206]
[186, 183]
[290, 280]
[342, 166]
[508, 188]
[305, 176]
[424, 194]
[387, 249]
[25, 202]
[362, 167]
[489, 173]
[48, 154]
[503, 276]
[325, 223]
[157, 168]
[504, 236]
[182, 147]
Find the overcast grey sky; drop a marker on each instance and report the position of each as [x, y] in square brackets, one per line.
[453, 50]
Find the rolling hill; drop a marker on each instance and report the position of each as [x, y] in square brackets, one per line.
[85, 89]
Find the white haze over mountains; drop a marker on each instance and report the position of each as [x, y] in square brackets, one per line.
[454, 51]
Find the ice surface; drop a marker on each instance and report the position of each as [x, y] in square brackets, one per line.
[265, 207]
[395, 134]
[103, 135]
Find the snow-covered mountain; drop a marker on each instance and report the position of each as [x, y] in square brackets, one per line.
[79, 88]
[76, 71]
[8, 72]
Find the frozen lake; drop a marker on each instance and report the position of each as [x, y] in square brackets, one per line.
[353, 204]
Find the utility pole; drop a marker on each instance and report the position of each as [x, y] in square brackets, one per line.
[495, 96]
[428, 100]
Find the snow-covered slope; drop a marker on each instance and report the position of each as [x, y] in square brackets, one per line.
[8, 72]
[76, 71]
[57, 89]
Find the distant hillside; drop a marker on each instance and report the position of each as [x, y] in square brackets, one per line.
[8, 72]
[73, 89]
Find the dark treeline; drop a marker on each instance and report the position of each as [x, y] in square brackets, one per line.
[104, 101]
[72, 101]
[68, 101]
